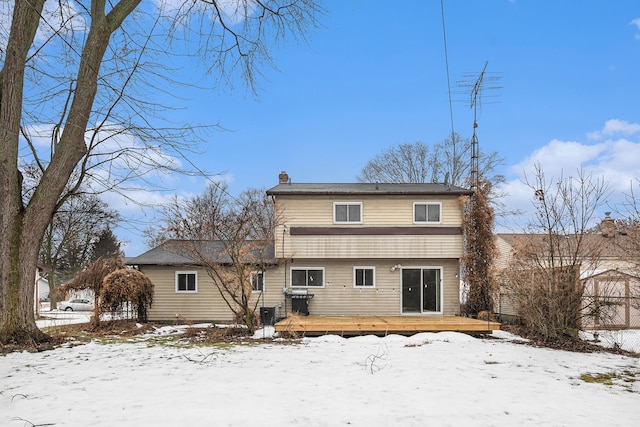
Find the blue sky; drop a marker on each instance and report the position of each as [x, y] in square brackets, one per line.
[374, 76]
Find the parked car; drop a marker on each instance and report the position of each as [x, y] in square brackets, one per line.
[78, 304]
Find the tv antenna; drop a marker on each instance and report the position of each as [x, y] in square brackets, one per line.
[483, 82]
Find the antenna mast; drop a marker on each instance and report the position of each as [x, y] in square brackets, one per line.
[476, 100]
[475, 93]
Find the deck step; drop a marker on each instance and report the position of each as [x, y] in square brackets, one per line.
[382, 325]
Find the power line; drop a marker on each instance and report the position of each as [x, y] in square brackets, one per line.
[446, 61]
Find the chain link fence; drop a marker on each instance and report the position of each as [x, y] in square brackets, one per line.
[613, 320]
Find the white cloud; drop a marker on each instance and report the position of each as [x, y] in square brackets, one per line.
[614, 160]
[615, 127]
[636, 22]
[233, 11]
[59, 16]
[558, 155]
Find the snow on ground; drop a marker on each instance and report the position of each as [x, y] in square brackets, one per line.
[428, 379]
[55, 318]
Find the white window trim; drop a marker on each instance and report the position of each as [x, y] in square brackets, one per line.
[348, 204]
[255, 273]
[366, 267]
[439, 204]
[186, 291]
[324, 277]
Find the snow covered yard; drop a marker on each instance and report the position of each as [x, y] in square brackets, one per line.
[428, 379]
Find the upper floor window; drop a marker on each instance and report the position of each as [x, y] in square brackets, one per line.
[306, 277]
[348, 212]
[427, 212]
[364, 277]
[257, 281]
[186, 281]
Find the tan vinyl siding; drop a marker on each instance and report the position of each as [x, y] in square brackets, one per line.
[504, 253]
[506, 306]
[274, 282]
[340, 297]
[376, 210]
[337, 254]
[168, 305]
[371, 246]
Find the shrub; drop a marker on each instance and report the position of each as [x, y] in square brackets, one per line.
[127, 286]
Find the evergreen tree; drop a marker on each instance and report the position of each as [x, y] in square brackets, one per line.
[106, 246]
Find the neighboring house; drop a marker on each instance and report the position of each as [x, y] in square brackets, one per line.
[41, 289]
[340, 249]
[608, 274]
[66, 295]
[80, 294]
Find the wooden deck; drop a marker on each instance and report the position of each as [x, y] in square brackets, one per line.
[381, 325]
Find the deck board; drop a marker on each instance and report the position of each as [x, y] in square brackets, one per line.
[381, 325]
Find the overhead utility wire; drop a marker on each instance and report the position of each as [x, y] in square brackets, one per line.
[446, 61]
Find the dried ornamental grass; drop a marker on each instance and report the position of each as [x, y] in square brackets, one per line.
[127, 286]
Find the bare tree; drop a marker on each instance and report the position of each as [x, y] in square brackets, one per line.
[71, 236]
[409, 163]
[74, 69]
[420, 163]
[74, 230]
[543, 278]
[449, 161]
[231, 238]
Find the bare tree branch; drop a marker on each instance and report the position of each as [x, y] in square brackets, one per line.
[81, 76]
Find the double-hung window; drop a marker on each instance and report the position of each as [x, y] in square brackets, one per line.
[427, 213]
[307, 277]
[257, 281]
[347, 212]
[186, 281]
[364, 277]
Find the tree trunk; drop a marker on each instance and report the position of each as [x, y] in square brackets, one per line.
[22, 227]
[17, 277]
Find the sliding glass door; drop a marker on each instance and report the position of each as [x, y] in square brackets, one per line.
[421, 290]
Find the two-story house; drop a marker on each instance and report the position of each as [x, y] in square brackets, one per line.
[339, 250]
[369, 249]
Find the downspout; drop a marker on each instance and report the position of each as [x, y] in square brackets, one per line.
[284, 289]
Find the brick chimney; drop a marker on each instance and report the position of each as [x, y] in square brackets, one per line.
[607, 226]
[283, 178]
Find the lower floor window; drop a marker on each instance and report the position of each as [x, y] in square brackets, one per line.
[186, 281]
[257, 281]
[307, 277]
[364, 277]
